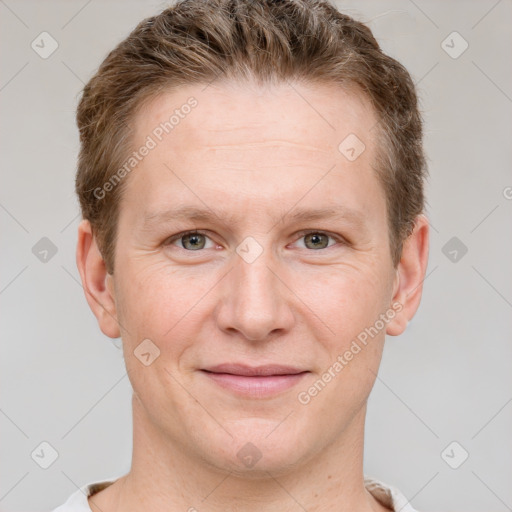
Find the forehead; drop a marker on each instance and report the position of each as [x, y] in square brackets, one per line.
[315, 116]
[255, 142]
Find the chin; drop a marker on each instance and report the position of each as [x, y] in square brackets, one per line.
[258, 448]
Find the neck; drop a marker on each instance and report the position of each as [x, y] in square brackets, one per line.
[164, 477]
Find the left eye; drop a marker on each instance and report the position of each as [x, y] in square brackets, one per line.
[316, 240]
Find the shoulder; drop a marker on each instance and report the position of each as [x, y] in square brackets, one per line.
[77, 502]
[389, 496]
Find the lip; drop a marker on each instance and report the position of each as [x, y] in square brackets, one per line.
[254, 381]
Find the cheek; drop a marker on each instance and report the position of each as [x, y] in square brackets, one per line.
[160, 302]
[351, 306]
[349, 299]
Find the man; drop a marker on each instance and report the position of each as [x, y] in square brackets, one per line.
[251, 182]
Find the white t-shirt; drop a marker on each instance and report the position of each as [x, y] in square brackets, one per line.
[388, 496]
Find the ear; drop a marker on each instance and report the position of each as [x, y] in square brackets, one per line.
[97, 283]
[409, 278]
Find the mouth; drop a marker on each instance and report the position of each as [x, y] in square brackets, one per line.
[254, 381]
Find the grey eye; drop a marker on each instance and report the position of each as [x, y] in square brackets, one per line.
[317, 240]
[195, 241]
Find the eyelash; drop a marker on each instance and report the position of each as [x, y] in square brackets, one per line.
[338, 239]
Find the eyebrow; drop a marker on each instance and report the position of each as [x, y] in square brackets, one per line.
[193, 213]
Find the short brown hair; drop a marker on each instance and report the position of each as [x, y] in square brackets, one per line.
[195, 41]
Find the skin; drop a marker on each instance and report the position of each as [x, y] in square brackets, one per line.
[258, 154]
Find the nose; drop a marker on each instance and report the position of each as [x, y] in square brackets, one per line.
[255, 300]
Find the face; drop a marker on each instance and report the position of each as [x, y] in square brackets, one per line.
[252, 253]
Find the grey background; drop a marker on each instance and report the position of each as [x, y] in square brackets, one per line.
[447, 378]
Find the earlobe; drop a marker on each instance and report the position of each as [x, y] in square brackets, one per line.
[411, 271]
[97, 283]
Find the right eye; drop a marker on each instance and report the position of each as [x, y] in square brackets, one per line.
[189, 240]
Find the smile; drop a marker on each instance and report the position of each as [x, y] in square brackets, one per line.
[255, 382]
